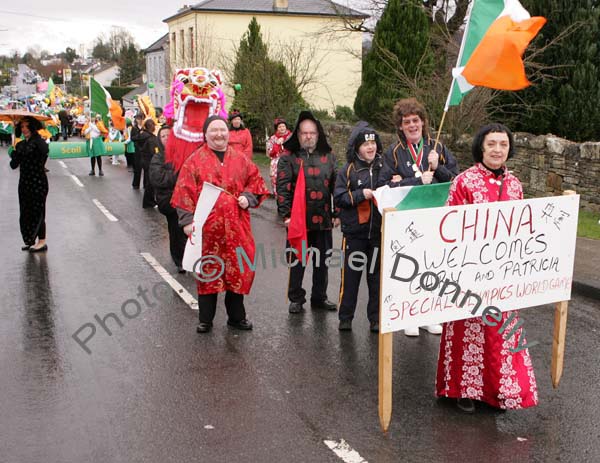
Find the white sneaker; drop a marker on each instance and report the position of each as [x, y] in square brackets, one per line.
[412, 331]
[434, 329]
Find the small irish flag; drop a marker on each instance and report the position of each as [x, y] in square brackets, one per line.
[102, 103]
[404, 198]
[495, 38]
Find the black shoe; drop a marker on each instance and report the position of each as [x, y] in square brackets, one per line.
[203, 327]
[92, 173]
[43, 248]
[180, 269]
[466, 405]
[135, 187]
[296, 307]
[325, 305]
[26, 247]
[374, 327]
[100, 173]
[345, 325]
[244, 325]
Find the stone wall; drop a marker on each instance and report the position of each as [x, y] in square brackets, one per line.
[546, 165]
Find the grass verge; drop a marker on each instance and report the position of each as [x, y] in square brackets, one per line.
[589, 224]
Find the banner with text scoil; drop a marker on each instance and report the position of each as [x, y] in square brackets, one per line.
[452, 263]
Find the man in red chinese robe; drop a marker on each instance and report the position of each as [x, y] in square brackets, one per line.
[227, 227]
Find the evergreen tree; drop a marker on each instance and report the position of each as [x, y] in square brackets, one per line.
[267, 90]
[401, 51]
[564, 101]
[101, 50]
[131, 63]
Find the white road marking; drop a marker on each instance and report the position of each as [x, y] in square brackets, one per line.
[344, 451]
[108, 215]
[172, 282]
[76, 180]
[62, 164]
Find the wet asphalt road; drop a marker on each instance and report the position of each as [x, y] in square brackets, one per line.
[155, 391]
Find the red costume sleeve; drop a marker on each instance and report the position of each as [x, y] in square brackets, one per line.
[458, 193]
[248, 144]
[185, 194]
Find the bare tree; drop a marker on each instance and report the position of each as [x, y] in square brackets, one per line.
[302, 60]
[118, 37]
[205, 45]
[449, 13]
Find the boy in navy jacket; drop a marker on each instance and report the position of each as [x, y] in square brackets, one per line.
[361, 223]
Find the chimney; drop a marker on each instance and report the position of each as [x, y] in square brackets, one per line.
[280, 5]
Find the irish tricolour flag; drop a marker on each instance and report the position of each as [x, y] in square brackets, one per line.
[403, 198]
[102, 103]
[496, 36]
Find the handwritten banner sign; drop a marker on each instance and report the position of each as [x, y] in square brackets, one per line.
[451, 263]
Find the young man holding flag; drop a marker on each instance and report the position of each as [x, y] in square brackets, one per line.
[415, 160]
[305, 184]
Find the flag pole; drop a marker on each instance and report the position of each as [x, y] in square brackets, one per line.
[439, 132]
[561, 311]
[458, 59]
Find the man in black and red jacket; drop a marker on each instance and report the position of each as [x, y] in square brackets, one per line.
[309, 148]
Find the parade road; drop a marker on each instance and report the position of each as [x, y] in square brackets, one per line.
[294, 389]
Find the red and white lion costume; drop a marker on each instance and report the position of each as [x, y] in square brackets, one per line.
[196, 95]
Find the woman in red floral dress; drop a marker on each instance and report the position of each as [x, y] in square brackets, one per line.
[275, 148]
[475, 361]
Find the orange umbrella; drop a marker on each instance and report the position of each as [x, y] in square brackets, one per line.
[13, 115]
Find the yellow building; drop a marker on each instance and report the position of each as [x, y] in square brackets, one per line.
[308, 36]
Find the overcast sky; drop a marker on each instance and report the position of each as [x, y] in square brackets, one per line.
[54, 25]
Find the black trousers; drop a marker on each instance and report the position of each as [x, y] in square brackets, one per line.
[137, 171]
[350, 282]
[93, 160]
[32, 216]
[177, 239]
[322, 241]
[234, 304]
[129, 159]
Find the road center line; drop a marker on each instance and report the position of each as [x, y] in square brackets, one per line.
[62, 164]
[76, 180]
[344, 451]
[108, 215]
[172, 282]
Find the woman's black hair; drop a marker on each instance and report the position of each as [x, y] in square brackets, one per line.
[160, 145]
[33, 124]
[477, 147]
[149, 125]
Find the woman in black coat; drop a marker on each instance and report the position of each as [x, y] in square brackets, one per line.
[30, 156]
[163, 178]
[147, 142]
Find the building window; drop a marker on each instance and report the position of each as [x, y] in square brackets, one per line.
[182, 45]
[192, 53]
[174, 47]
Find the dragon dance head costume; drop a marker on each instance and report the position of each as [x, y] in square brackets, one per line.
[196, 94]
